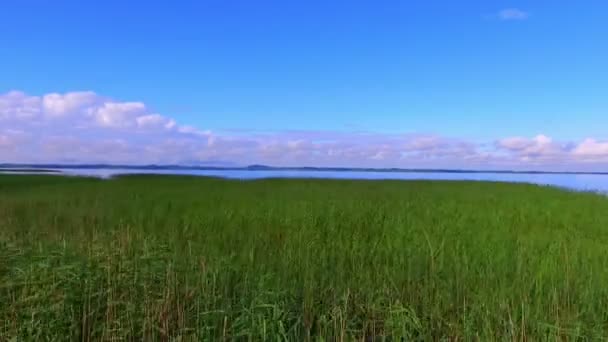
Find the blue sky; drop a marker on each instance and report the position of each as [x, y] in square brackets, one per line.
[477, 72]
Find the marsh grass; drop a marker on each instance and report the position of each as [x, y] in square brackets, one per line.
[184, 258]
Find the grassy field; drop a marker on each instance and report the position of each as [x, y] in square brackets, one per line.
[183, 258]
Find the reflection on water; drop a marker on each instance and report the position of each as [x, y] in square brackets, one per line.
[572, 181]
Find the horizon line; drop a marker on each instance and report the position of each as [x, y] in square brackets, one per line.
[262, 167]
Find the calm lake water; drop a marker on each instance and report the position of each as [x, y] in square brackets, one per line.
[597, 183]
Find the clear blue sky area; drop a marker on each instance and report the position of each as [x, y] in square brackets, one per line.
[456, 68]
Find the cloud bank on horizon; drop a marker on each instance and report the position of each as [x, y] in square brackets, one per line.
[84, 127]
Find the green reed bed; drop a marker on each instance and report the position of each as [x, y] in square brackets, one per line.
[185, 258]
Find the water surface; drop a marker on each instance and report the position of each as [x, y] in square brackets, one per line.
[583, 182]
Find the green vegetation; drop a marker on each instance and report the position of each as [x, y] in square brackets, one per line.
[185, 258]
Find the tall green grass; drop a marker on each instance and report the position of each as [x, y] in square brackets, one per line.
[184, 258]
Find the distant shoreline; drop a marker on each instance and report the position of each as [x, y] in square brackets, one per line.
[29, 170]
[53, 168]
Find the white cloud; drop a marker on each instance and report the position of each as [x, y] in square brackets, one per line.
[16, 105]
[119, 114]
[513, 14]
[544, 150]
[154, 121]
[424, 143]
[541, 146]
[591, 149]
[514, 143]
[60, 104]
